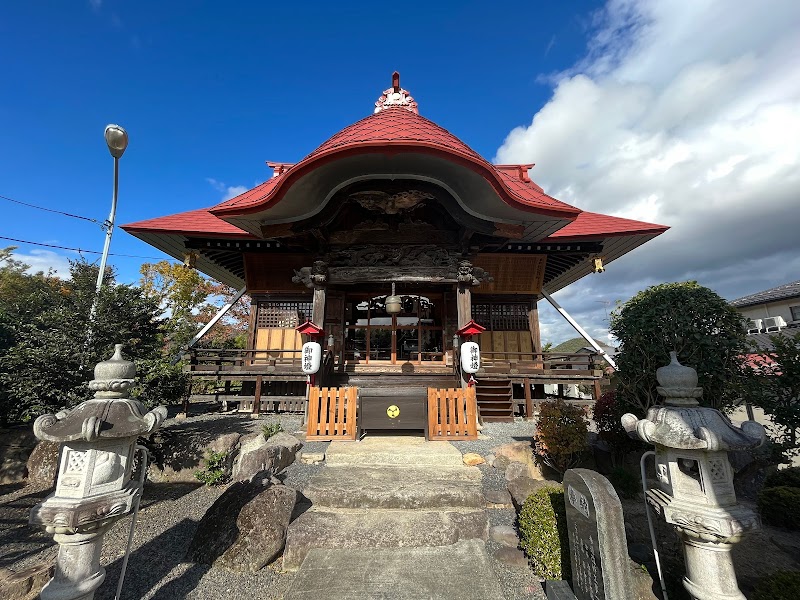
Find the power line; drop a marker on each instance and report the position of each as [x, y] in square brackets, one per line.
[79, 250]
[52, 210]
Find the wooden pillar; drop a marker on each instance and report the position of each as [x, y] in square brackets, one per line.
[597, 392]
[536, 337]
[464, 306]
[318, 307]
[526, 383]
[257, 397]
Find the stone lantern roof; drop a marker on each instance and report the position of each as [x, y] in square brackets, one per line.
[682, 424]
[111, 414]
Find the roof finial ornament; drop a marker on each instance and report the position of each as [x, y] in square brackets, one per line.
[396, 96]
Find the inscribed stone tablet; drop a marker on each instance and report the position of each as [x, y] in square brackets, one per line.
[598, 550]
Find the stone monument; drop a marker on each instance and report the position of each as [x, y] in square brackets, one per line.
[695, 479]
[94, 486]
[598, 550]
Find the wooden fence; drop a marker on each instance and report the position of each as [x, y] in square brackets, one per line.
[331, 414]
[452, 414]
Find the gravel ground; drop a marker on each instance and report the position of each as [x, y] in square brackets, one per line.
[170, 512]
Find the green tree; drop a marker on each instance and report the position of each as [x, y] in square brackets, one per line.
[46, 362]
[708, 334]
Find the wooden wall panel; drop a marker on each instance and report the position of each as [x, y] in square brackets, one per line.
[512, 273]
[273, 272]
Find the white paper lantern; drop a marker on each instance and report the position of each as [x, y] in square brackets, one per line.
[470, 357]
[312, 356]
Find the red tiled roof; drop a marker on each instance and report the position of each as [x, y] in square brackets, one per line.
[200, 222]
[398, 128]
[590, 225]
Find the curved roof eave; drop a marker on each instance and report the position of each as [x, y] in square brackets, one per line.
[278, 187]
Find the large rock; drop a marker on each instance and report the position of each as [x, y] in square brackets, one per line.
[25, 584]
[16, 445]
[178, 452]
[521, 452]
[515, 470]
[258, 454]
[522, 487]
[43, 465]
[245, 529]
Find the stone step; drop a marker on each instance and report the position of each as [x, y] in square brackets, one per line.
[380, 528]
[406, 488]
[461, 570]
[393, 450]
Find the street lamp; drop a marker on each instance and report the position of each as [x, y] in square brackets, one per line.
[117, 141]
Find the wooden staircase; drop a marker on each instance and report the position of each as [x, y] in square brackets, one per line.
[495, 400]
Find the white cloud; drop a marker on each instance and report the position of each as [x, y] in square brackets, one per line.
[228, 191]
[45, 260]
[686, 114]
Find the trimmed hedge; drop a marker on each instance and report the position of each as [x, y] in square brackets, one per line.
[781, 585]
[785, 477]
[543, 533]
[780, 506]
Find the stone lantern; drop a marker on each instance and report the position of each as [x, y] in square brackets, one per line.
[94, 486]
[695, 490]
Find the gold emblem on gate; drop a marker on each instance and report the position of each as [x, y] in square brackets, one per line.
[393, 412]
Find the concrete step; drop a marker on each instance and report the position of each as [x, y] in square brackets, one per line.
[380, 528]
[400, 451]
[461, 570]
[406, 488]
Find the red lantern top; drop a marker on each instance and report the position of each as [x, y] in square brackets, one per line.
[308, 328]
[471, 328]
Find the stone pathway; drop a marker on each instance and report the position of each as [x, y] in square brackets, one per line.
[392, 517]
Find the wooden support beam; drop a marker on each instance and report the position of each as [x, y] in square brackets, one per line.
[533, 326]
[257, 397]
[526, 383]
[318, 307]
[597, 392]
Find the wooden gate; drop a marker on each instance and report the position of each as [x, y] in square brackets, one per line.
[452, 414]
[331, 414]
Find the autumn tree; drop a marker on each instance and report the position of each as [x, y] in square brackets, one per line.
[189, 301]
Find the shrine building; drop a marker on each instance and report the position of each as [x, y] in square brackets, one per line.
[392, 244]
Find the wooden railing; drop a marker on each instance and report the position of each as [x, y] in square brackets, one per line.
[237, 359]
[452, 414]
[542, 361]
[331, 414]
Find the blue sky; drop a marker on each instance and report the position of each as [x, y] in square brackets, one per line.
[685, 114]
[212, 90]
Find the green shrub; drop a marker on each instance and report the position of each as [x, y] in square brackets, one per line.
[780, 506]
[626, 484]
[215, 471]
[560, 434]
[781, 585]
[271, 429]
[543, 533]
[785, 477]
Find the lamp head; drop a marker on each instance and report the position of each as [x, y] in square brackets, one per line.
[597, 265]
[117, 140]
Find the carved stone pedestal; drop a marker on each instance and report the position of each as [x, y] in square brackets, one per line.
[78, 571]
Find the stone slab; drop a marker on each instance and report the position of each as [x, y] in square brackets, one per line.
[461, 570]
[380, 528]
[393, 451]
[598, 548]
[411, 487]
[558, 590]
